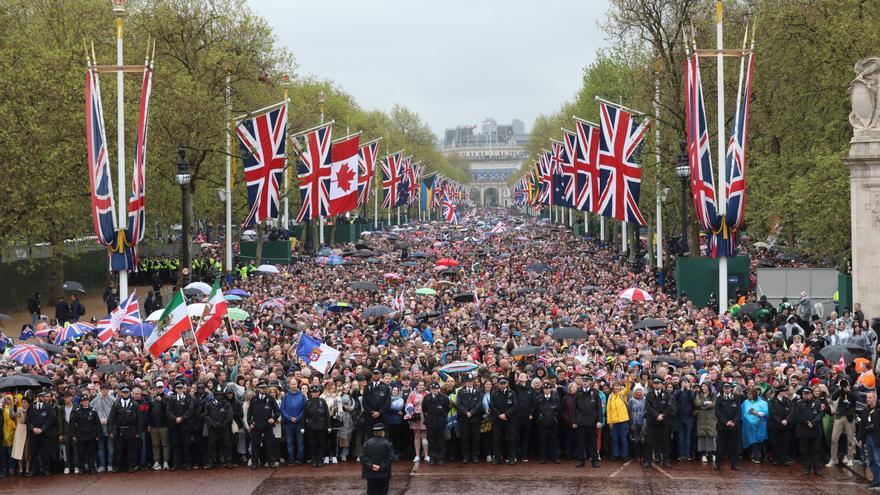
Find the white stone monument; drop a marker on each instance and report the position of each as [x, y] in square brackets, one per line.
[864, 165]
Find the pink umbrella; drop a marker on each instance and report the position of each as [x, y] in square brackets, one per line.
[634, 294]
[392, 275]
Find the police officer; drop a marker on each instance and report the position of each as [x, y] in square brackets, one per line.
[316, 421]
[180, 410]
[807, 419]
[218, 417]
[41, 424]
[778, 427]
[502, 408]
[525, 408]
[376, 402]
[435, 408]
[376, 458]
[547, 412]
[468, 403]
[728, 426]
[125, 423]
[659, 408]
[587, 418]
[262, 414]
[86, 430]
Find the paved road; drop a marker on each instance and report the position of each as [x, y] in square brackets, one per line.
[455, 479]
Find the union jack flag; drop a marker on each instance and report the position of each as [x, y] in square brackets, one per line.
[391, 179]
[736, 151]
[561, 182]
[263, 140]
[448, 210]
[272, 302]
[620, 177]
[367, 162]
[586, 162]
[137, 221]
[699, 151]
[127, 313]
[403, 188]
[414, 177]
[545, 195]
[103, 212]
[314, 169]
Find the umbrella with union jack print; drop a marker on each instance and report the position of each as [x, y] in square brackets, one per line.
[29, 355]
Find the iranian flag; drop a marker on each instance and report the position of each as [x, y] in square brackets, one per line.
[215, 311]
[343, 191]
[173, 322]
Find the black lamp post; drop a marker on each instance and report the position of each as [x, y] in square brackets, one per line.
[683, 170]
[183, 179]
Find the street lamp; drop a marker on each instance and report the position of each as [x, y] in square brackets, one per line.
[183, 180]
[683, 170]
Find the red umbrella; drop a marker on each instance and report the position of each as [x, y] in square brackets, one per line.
[634, 294]
[447, 262]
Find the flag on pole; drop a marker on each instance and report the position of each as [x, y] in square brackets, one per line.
[586, 164]
[448, 210]
[391, 179]
[215, 312]
[137, 222]
[367, 164]
[100, 181]
[426, 199]
[317, 354]
[263, 142]
[314, 174]
[560, 178]
[173, 322]
[406, 175]
[620, 177]
[736, 154]
[127, 313]
[344, 169]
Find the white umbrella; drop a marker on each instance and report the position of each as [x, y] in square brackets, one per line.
[195, 309]
[199, 286]
[249, 232]
[267, 269]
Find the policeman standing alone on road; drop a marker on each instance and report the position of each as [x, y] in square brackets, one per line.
[435, 407]
[377, 456]
[729, 416]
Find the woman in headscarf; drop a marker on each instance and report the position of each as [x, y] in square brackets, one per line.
[754, 424]
[636, 409]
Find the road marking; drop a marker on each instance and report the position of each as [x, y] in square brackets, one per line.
[658, 468]
[415, 468]
[625, 464]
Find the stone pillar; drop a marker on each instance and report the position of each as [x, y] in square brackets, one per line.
[863, 162]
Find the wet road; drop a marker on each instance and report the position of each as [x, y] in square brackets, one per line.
[454, 479]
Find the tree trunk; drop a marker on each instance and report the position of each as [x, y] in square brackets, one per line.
[57, 278]
[302, 237]
[333, 231]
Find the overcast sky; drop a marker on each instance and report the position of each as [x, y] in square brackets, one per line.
[452, 61]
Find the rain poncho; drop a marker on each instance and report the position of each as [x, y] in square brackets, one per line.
[754, 425]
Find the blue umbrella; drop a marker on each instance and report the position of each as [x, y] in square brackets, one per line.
[325, 251]
[238, 292]
[142, 330]
[340, 307]
[232, 297]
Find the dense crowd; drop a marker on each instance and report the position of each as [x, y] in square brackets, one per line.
[474, 373]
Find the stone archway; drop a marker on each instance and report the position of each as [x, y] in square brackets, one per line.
[476, 197]
[491, 196]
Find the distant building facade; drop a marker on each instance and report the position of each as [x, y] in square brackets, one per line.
[495, 153]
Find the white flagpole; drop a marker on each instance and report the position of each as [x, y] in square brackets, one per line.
[586, 223]
[602, 229]
[286, 215]
[722, 172]
[228, 240]
[375, 203]
[623, 244]
[119, 11]
[321, 217]
[658, 237]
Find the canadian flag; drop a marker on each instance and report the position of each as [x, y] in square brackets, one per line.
[344, 174]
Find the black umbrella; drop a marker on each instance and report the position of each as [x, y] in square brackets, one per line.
[364, 285]
[672, 361]
[538, 267]
[192, 291]
[427, 315]
[463, 297]
[73, 286]
[785, 257]
[525, 290]
[111, 368]
[285, 324]
[39, 378]
[54, 349]
[361, 245]
[379, 310]
[19, 382]
[590, 288]
[418, 254]
[570, 333]
[750, 309]
[363, 253]
[651, 323]
[526, 350]
[449, 271]
[832, 353]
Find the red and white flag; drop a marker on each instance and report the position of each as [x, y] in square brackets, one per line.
[212, 318]
[173, 322]
[344, 170]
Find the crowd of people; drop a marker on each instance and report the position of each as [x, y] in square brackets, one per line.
[473, 370]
